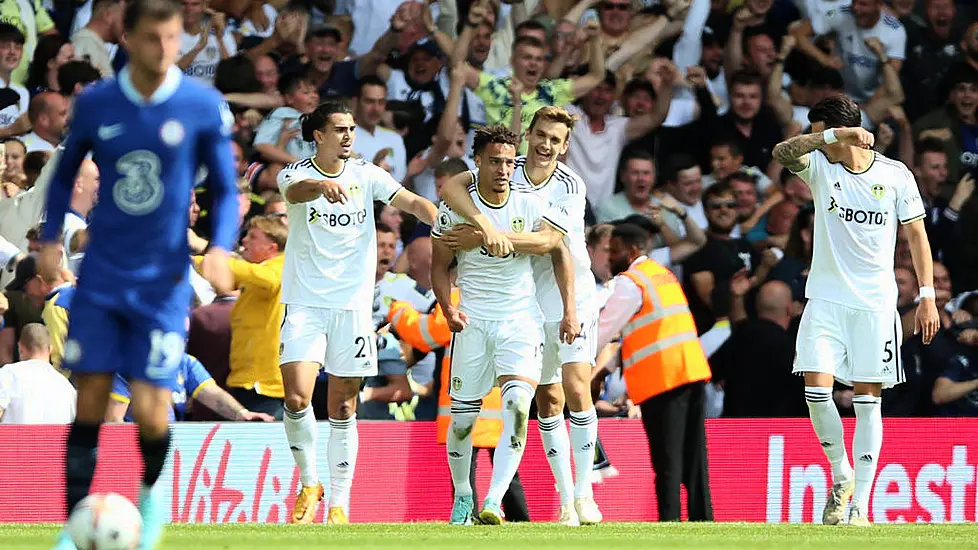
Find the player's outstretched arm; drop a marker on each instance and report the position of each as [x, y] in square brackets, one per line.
[456, 195]
[927, 320]
[564, 273]
[417, 206]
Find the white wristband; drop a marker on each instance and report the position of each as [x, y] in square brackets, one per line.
[829, 136]
[926, 292]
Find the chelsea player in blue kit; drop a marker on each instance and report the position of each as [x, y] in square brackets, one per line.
[149, 130]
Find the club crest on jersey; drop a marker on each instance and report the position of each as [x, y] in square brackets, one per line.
[518, 225]
[443, 220]
[354, 190]
[456, 383]
[878, 191]
[172, 132]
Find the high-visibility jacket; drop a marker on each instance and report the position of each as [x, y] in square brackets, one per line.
[430, 332]
[660, 350]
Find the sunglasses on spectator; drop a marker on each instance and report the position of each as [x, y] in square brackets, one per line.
[717, 205]
[610, 6]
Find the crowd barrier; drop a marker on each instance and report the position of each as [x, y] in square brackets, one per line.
[760, 471]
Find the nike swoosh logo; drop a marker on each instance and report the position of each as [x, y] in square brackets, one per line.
[106, 133]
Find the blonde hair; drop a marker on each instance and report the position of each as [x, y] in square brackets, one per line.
[556, 115]
[272, 226]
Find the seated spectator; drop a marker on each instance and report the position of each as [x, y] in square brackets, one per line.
[32, 391]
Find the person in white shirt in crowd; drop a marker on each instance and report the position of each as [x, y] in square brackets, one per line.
[684, 182]
[382, 146]
[205, 42]
[31, 390]
[598, 241]
[638, 179]
[14, 98]
[854, 26]
[277, 138]
[105, 28]
[48, 114]
[727, 158]
[83, 198]
[600, 138]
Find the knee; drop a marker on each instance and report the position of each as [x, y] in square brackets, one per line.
[296, 402]
[550, 401]
[343, 410]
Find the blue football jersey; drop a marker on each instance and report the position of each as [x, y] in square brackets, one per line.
[148, 152]
[191, 377]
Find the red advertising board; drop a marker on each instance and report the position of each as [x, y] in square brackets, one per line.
[760, 471]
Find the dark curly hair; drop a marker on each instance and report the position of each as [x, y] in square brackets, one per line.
[497, 133]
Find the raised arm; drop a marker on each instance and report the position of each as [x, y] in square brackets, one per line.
[478, 13]
[793, 153]
[646, 38]
[581, 85]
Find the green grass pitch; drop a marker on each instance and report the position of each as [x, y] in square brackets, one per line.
[538, 536]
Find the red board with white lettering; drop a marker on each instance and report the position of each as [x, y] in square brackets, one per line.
[760, 471]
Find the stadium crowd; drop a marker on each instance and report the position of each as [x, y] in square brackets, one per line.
[679, 103]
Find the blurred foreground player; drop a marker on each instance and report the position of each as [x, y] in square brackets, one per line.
[149, 131]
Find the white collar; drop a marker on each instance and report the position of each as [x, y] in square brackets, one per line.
[163, 93]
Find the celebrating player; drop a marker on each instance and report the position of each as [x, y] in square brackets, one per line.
[850, 330]
[541, 173]
[149, 130]
[497, 323]
[327, 289]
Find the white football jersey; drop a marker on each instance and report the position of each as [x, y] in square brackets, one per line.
[856, 217]
[491, 288]
[331, 254]
[565, 194]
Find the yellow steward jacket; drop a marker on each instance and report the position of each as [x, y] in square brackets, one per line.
[660, 350]
[429, 332]
[256, 322]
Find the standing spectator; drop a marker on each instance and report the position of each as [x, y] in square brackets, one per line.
[14, 99]
[751, 124]
[954, 123]
[31, 21]
[384, 147]
[25, 294]
[931, 52]
[853, 27]
[83, 197]
[92, 42]
[48, 114]
[930, 169]
[665, 371]
[726, 158]
[266, 71]
[638, 180]
[32, 391]
[956, 389]
[51, 53]
[205, 42]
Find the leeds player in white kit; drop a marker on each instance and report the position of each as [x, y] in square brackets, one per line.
[327, 289]
[498, 334]
[850, 330]
[566, 367]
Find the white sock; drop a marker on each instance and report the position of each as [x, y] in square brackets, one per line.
[300, 429]
[828, 428]
[459, 444]
[584, 439]
[517, 396]
[341, 451]
[866, 444]
[556, 444]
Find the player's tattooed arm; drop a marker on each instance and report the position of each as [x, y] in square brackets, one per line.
[793, 153]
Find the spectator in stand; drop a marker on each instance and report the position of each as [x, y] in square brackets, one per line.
[380, 145]
[14, 99]
[275, 204]
[727, 159]
[205, 42]
[26, 295]
[209, 340]
[932, 51]
[31, 21]
[930, 170]
[266, 71]
[74, 76]
[52, 52]
[31, 390]
[954, 123]
[92, 42]
[278, 139]
[13, 168]
[684, 182]
[48, 115]
[638, 180]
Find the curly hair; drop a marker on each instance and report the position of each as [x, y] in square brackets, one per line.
[497, 133]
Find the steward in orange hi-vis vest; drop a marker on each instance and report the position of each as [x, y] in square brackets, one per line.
[660, 350]
[427, 333]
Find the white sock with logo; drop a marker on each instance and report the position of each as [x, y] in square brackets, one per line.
[341, 451]
[517, 396]
[300, 429]
[556, 444]
[584, 439]
[866, 444]
[828, 428]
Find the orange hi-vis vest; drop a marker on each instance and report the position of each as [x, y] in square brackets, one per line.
[660, 349]
[429, 332]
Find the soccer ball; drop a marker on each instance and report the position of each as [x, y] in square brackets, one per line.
[105, 522]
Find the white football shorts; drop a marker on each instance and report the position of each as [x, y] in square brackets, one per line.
[485, 350]
[853, 345]
[341, 340]
[557, 353]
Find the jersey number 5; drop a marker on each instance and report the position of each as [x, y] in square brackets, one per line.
[888, 350]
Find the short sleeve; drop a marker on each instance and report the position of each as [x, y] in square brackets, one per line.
[286, 178]
[268, 131]
[197, 376]
[444, 220]
[831, 21]
[810, 172]
[565, 210]
[910, 207]
[557, 218]
[6, 388]
[561, 90]
[896, 44]
[661, 256]
[383, 186]
[120, 390]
